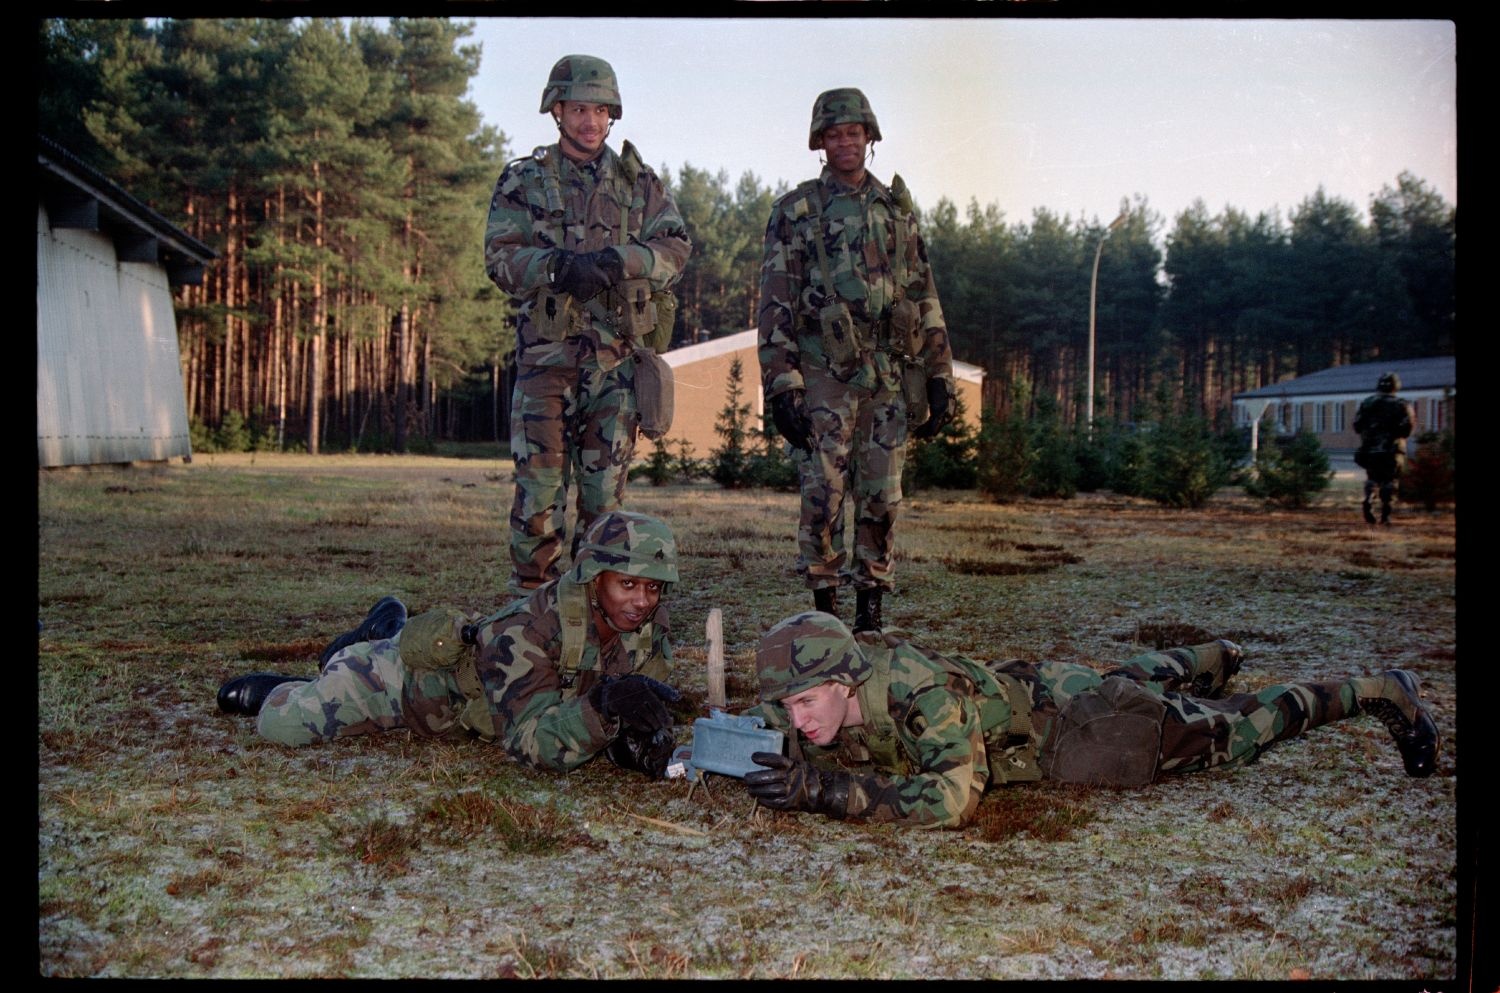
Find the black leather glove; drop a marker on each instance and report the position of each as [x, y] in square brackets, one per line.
[636, 701]
[789, 411]
[646, 753]
[612, 264]
[939, 407]
[792, 785]
[579, 276]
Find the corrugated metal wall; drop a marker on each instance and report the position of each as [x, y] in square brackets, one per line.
[108, 378]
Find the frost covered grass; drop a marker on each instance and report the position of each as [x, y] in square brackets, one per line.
[172, 842]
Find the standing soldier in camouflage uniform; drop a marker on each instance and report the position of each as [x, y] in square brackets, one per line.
[1384, 422]
[589, 242]
[892, 731]
[573, 669]
[853, 352]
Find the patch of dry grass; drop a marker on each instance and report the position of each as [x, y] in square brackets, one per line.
[173, 842]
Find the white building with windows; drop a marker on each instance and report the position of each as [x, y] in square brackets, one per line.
[1325, 402]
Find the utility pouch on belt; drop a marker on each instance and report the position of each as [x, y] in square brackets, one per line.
[654, 396]
[1107, 736]
[906, 338]
[434, 640]
[555, 316]
[840, 338]
[634, 309]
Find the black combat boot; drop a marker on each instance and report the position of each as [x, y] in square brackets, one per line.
[1368, 509]
[826, 599]
[867, 610]
[1395, 698]
[247, 694]
[386, 618]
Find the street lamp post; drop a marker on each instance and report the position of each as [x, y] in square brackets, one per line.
[1088, 414]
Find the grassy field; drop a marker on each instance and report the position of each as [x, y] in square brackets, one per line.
[172, 842]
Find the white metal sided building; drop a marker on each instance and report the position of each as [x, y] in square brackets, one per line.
[108, 375]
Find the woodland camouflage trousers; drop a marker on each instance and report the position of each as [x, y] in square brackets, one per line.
[1199, 731]
[568, 426]
[859, 443]
[360, 692]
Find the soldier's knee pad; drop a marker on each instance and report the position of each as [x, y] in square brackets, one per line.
[1107, 736]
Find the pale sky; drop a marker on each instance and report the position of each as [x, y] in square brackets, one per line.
[1068, 114]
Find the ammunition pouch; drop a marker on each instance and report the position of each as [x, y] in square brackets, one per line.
[841, 345]
[556, 316]
[654, 393]
[626, 308]
[1107, 736]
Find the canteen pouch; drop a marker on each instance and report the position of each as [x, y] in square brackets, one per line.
[660, 338]
[1106, 736]
[654, 394]
[434, 640]
[840, 339]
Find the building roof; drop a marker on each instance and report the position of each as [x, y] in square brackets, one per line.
[1359, 379]
[78, 195]
[750, 339]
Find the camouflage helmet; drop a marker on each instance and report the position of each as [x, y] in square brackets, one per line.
[626, 542]
[1389, 383]
[584, 78]
[806, 650]
[842, 106]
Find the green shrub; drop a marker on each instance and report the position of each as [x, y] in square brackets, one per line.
[660, 467]
[1185, 462]
[1004, 455]
[728, 462]
[234, 433]
[1053, 470]
[1429, 476]
[946, 460]
[1290, 472]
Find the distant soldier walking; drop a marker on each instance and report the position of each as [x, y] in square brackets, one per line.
[589, 242]
[1384, 422]
[854, 354]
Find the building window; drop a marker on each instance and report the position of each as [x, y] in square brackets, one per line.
[1338, 417]
[1320, 411]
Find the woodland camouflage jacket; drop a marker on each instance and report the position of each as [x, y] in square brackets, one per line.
[523, 232]
[861, 229]
[540, 720]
